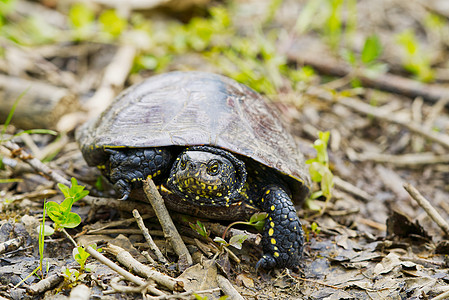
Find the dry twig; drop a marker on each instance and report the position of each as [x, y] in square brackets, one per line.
[412, 159]
[170, 231]
[104, 260]
[114, 77]
[228, 288]
[11, 245]
[45, 284]
[430, 210]
[148, 238]
[126, 259]
[352, 189]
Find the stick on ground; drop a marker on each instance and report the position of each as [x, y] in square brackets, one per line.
[170, 231]
[148, 238]
[425, 204]
[125, 258]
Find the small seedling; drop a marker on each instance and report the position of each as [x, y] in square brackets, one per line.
[80, 256]
[257, 220]
[320, 172]
[315, 228]
[235, 241]
[199, 227]
[415, 60]
[61, 214]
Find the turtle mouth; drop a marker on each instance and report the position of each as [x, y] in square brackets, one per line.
[203, 188]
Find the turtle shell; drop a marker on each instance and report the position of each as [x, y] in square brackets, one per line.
[196, 108]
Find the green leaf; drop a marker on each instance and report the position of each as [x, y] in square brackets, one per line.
[199, 227]
[220, 240]
[349, 56]
[327, 183]
[371, 49]
[99, 184]
[257, 217]
[316, 170]
[71, 221]
[64, 189]
[112, 23]
[314, 227]
[311, 204]
[257, 220]
[237, 240]
[66, 205]
[81, 15]
[80, 255]
[53, 210]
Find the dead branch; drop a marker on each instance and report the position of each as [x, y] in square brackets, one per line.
[104, 260]
[387, 82]
[11, 245]
[45, 284]
[361, 107]
[118, 288]
[170, 231]
[352, 189]
[148, 238]
[442, 296]
[126, 259]
[35, 163]
[425, 204]
[412, 159]
[41, 105]
[113, 80]
[228, 288]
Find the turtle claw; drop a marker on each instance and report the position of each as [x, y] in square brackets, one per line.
[122, 188]
[266, 262]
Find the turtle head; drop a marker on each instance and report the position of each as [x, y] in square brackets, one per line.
[207, 175]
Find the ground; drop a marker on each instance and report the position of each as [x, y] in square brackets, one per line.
[374, 74]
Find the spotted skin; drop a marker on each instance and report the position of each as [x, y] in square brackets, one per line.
[126, 168]
[282, 235]
[211, 177]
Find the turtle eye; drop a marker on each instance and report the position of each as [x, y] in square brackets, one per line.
[213, 167]
[183, 163]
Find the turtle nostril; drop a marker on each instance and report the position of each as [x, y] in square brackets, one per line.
[191, 166]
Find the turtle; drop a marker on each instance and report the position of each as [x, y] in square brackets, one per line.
[215, 146]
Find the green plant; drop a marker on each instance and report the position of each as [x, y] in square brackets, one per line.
[315, 228]
[415, 60]
[80, 256]
[61, 214]
[257, 220]
[63, 218]
[367, 62]
[319, 170]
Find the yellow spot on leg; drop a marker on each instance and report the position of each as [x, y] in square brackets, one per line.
[276, 254]
[272, 207]
[270, 231]
[273, 241]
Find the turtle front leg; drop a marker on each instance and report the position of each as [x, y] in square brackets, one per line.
[283, 239]
[128, 167]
